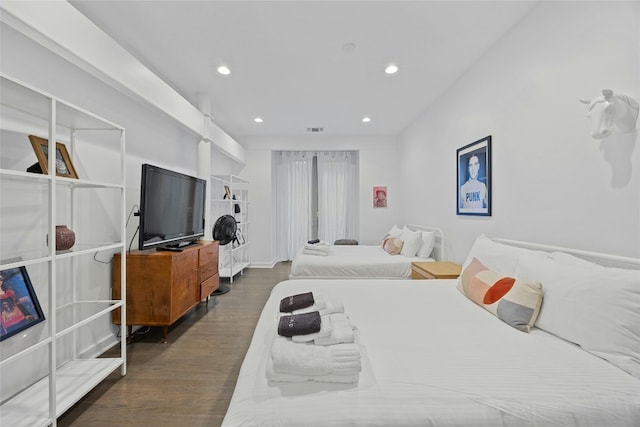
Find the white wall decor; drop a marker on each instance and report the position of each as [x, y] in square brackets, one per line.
[611, 110]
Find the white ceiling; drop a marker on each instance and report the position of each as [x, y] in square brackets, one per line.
[288, 63]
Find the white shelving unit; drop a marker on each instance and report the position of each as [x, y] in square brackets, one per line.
[234, 256]
[47, 368]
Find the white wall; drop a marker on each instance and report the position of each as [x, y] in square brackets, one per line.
[378, 159]
[552, 183]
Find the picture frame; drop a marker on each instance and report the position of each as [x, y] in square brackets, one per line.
[380, 196]
[64, 165]
[19, 306]
[473, 183]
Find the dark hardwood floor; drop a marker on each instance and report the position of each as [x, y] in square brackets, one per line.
[188, 381]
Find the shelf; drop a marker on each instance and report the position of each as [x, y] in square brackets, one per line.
[73, 380]
[232, 271]
[22, 98]
[68, 318]
[44, 368]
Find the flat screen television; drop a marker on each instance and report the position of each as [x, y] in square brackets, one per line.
[171, 209]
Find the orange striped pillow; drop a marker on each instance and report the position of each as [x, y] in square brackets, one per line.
[392, 245]
[513, 301]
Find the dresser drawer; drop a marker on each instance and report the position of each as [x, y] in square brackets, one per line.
[208, 286]
[208, 270]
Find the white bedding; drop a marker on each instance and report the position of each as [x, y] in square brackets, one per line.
[432, 357]
[355, 261]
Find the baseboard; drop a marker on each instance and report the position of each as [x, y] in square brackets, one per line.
[263, 264]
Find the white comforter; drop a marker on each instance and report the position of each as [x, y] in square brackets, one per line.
[432, 357]
[355, 261]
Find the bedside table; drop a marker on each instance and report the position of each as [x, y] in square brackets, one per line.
[435, 270]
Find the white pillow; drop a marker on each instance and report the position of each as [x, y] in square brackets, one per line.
[428, 242]
[497, 256]
[412, 241]
[395, 231]
[595, 307]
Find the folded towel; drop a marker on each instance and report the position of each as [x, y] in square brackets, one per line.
[299, 324]
[323, 305]
[311, 360]
[273, 375]
[326, 327]
[319, 247]
[316, 253]
[296, 302]
[341, 331]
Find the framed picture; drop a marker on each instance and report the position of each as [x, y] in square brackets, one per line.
[64, 166]
[379, 196]
[227, 192]
[19, 306]
[473, 187]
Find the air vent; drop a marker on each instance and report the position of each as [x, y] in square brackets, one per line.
[315, 130]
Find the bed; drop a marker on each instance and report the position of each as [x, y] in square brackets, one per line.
[364, 261]
[431, 356]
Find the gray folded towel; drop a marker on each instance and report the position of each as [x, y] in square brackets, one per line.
[299, 324]
[296, 302]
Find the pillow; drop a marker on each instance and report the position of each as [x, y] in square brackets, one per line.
[392, 245]
[412, 241]
[395, 231]
[515, 302]
[499, 257]
[428, 242]
[589, 305]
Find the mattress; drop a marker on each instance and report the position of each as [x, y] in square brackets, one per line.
[354, 261]
[432, 357]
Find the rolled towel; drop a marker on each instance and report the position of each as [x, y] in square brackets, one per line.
[341, 331]
[299, 324]
[296, 302]
[272, 375]
[326, 327]
[323, 305]
[308, 359]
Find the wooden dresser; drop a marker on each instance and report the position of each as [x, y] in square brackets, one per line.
[162, 286]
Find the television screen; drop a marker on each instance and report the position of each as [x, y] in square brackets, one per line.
[171, 208]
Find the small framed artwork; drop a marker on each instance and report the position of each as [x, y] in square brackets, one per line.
[379, 196]
[64, 166]
[227, 192]
[19, 306]
[473, 187]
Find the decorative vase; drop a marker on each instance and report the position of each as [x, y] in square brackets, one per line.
[65, 238]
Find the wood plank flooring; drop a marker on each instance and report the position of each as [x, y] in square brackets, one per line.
[188, 381]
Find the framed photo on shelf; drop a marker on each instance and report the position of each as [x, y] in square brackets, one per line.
[473, 186]
[379, 196]
[19, 306]
[227, 192]
[64, 166]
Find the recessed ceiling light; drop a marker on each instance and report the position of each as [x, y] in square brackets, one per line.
[348, 47]
[224, 70]
[258, 120]
[366, 119]
[391, 69]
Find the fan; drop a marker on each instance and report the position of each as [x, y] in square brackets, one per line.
[224, 231]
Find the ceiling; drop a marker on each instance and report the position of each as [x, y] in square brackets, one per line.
[289, 63]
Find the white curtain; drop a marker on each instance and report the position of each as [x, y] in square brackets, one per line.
[293, 201]
[337, 196]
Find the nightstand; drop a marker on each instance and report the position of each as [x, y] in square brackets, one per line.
[435, 270]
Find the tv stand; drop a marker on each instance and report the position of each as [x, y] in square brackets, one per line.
[162, 286]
